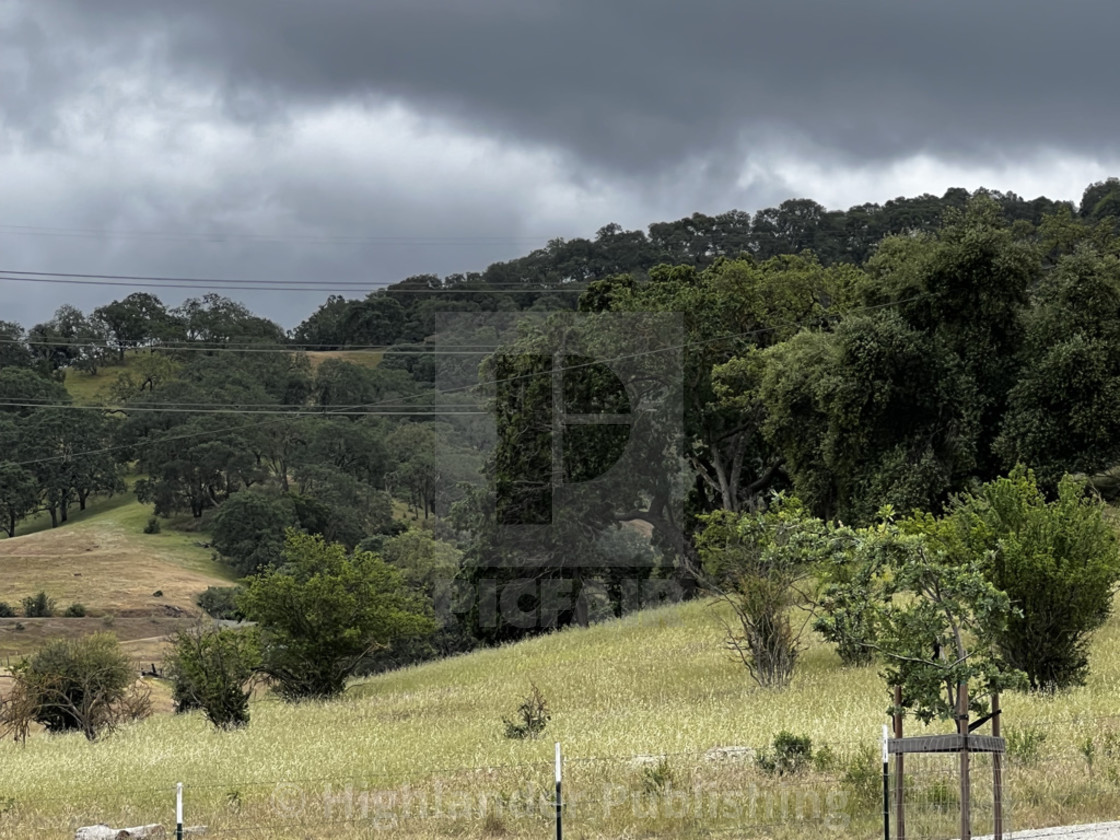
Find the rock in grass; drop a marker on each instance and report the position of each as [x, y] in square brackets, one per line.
[104, 832]
[729, 754]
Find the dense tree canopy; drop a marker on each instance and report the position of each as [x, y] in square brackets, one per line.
[894, 354]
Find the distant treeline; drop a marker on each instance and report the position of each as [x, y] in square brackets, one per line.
[892, 354]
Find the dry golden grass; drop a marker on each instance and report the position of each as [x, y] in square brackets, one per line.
[107, 564]
[362, 358]
[422, 753]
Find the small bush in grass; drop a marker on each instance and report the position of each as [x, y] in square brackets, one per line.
[862, 777]
[86, 685]
[1024, 745]
[657, 777]
[211, 670]
[532, 717]
[38, 606]
[6, 610]
[790, 754]
[152, 526]
[824, 759]
[75, 610]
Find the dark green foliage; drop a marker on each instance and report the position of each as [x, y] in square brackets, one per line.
[152, 526]
[531, 718]
[19, 495]
[221, 602]
[1063, 413]
[1058, 561]
[79, 684]
[323, 610]
[211, 670]
[249, 529]
[1101, 200]
[6, 610]
[39, 605]
[139, 319]
[75, 610]
[790, 754]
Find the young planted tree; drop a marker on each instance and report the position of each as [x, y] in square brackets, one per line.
[762, 566]
[936, 619]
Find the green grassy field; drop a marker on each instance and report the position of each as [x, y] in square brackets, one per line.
[89, 389]
[658, 724]
[423, 754]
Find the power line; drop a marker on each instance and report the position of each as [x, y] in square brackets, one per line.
[193, 236]
[492, 382]
[214, 347]
[306, 412]
[211, 284]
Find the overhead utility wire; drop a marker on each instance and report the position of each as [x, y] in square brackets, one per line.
[506, 380]
[44, 230]
[212, 284]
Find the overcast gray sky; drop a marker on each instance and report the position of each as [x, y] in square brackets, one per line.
[367, 140]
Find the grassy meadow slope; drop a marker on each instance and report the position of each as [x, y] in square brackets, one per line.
[103, 560]
[423, 752]
[361, 358]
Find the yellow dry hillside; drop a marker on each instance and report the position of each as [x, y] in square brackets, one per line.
[638, 704]
[105, 562]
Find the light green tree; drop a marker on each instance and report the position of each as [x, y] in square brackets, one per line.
[325, 609]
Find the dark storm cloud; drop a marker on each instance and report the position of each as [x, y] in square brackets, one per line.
[375, 139]
[637, 84]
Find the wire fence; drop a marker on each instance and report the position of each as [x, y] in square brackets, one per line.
[834, 789]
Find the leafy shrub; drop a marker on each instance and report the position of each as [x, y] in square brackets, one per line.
[1024, 745]
[75, 610]
[211, 669]
[759, 565]
[6, 610]
[323, 610]
[532, 717]
[221, 602]
[790, 754]
[862, 777]
[81, 684]
[38, 606]
[657, 777]
[152, 526]
[1058, 561]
